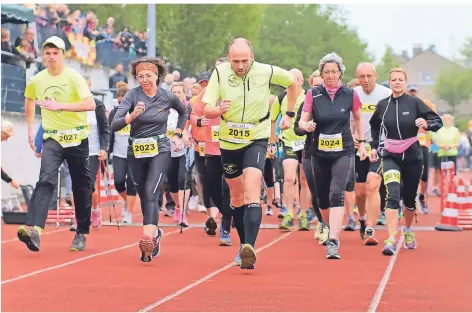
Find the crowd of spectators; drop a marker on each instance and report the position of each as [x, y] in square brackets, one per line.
[58, 20]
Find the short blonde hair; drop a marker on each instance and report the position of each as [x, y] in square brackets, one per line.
[398, 70]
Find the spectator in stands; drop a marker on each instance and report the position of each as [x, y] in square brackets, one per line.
[8, 47]
[119, 76]
[7, 132]
[90, 29]
[28, 35]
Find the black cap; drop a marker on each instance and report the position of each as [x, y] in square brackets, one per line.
[204, 76]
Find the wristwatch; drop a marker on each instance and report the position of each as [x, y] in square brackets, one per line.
[291, 114]
[178, 135]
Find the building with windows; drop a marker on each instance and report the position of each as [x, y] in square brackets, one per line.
[422, 68]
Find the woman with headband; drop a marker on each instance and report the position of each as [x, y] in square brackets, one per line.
[149, 150]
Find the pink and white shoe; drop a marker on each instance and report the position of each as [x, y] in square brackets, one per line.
[96, 218]
[177, 215]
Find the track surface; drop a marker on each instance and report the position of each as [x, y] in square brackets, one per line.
[194, 274]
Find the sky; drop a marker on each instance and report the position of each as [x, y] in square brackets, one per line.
[403, 25]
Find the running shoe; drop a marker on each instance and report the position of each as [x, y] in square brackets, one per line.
[177, 215]
[390, 247]
[78, 243]
[287, 222]
[436, 192]
[30, 237]
[324, 236]
[248, 257]
[269, 211]
[157, 242]
[146, 245]
[303, 224]
[370, 237]
[237, 259]
[318, 230]
[381, 220]
[277, 203]
[96, 218]
[351, 224]
[210, 226]
[332, 247]
[225, 239]
[410, 241]
[362, 228]
[282, 213]
[424, 207]
[127, 218]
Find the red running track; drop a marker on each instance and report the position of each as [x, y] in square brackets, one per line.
[194, 274]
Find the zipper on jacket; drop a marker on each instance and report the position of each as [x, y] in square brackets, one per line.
[398, 129]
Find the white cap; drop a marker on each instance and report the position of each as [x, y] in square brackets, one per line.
[58, 42]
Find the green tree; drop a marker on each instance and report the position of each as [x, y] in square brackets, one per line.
[300, 35]
[192, 36]
[466, 52]
[387, 62]
[195, 35]
[453, 86]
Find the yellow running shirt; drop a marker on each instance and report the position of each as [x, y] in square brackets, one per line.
[67, 87]
[289, 138]
[249, 101]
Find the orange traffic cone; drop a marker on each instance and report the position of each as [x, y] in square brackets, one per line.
[465, 210]
[450, 214]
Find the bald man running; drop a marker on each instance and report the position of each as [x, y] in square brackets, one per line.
[368, 177]
[243, 86]
[292, 157]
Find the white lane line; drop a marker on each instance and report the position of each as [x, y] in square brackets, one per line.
[45, 233]
[207, 277]
[47, 269]
[384, 281]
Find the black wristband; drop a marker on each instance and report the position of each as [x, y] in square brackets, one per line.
[291, 114]
[361, 141]
[178, 135]
[199, 122]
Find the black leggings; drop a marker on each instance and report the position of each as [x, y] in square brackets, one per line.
[218, 188]
[310, 179]
[123, 178]
[408, 172]
[177, 175]
[331, 179]
[149, 175]
[269, 173]
[424, 175]
[201, 169]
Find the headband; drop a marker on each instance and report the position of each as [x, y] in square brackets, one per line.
[146, 66]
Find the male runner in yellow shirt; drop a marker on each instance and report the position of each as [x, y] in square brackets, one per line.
[243, 86]
[64, 97]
